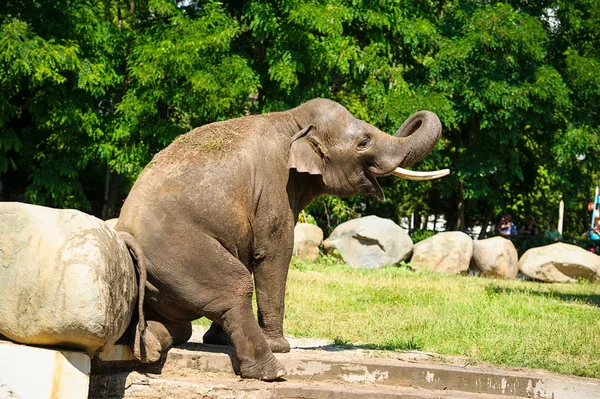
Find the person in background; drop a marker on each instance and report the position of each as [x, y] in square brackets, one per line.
[594, 235]
[506, 227]
[594, 232]
[499, 225]
[553, 234]
[530, 228]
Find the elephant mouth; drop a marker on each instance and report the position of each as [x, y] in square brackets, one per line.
[375, 188]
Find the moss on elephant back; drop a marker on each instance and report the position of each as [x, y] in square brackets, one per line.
[209, 139]
[214, 140]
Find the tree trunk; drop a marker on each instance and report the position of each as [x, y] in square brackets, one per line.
[489, 215]
[460, 223]
[112, 196]
[416, 221]
[106, 192]
[1, 191]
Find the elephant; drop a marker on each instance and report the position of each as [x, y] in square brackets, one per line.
[214, 215]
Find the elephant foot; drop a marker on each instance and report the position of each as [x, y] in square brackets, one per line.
[148, 349]
[278, 345]
[216, 336]
[267, 368]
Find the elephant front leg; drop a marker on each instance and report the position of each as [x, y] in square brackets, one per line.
[270, 277]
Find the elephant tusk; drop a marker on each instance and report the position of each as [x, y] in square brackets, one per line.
[414, 175]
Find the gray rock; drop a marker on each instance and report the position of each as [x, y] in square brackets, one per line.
[307, 238]
[495, 257]
[370, 242]
[559, 263]
[448, 252]
[66, 278]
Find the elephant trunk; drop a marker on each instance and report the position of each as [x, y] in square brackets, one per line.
[411, 142]
[419, 133]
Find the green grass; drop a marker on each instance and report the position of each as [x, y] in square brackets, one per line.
[555, 327]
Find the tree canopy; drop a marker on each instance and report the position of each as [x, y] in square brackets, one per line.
[92, 89]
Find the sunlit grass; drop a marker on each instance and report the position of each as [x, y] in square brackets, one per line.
[555, 327]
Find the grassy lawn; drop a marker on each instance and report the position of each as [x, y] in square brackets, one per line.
[555, 327]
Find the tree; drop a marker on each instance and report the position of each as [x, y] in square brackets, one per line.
[50, 80]
[91, 90]
[575, 29]
[91, 84]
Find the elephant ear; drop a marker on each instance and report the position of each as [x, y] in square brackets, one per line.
[304, 155]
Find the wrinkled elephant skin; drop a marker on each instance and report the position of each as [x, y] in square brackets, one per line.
[217, 208]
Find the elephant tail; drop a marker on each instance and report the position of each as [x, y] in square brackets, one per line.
[140, 262]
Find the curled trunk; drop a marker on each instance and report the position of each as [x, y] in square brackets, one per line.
[418, 135]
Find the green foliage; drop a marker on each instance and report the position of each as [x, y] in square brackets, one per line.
[324, 261]
[421, 234]
[524, 242]
[88, 85]
[108, 83]
[306, 217]
[328, 212]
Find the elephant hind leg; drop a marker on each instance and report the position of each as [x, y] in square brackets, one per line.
[204, 279]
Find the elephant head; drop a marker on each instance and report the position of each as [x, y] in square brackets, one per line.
[350, 154]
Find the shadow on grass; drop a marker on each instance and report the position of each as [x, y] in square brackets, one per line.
[341, 345]
[587, 299]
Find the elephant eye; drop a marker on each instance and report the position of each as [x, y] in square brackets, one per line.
[364, 143]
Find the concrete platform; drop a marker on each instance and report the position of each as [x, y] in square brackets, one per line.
[322, 370]
[37, 373]
[219, 386]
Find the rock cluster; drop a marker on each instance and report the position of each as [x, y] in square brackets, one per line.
[371, 242]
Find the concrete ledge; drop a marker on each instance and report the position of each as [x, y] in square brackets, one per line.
[352, 367]
[117, 353]
[31, 372]
[6, 392]
[207, 385]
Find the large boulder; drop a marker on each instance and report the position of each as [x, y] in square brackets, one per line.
[370, 242]
[495, 257]
[448, 252]
[559, 263]
[307, 238]
[66, 278]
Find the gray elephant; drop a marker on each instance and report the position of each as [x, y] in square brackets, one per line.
[218, 206]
